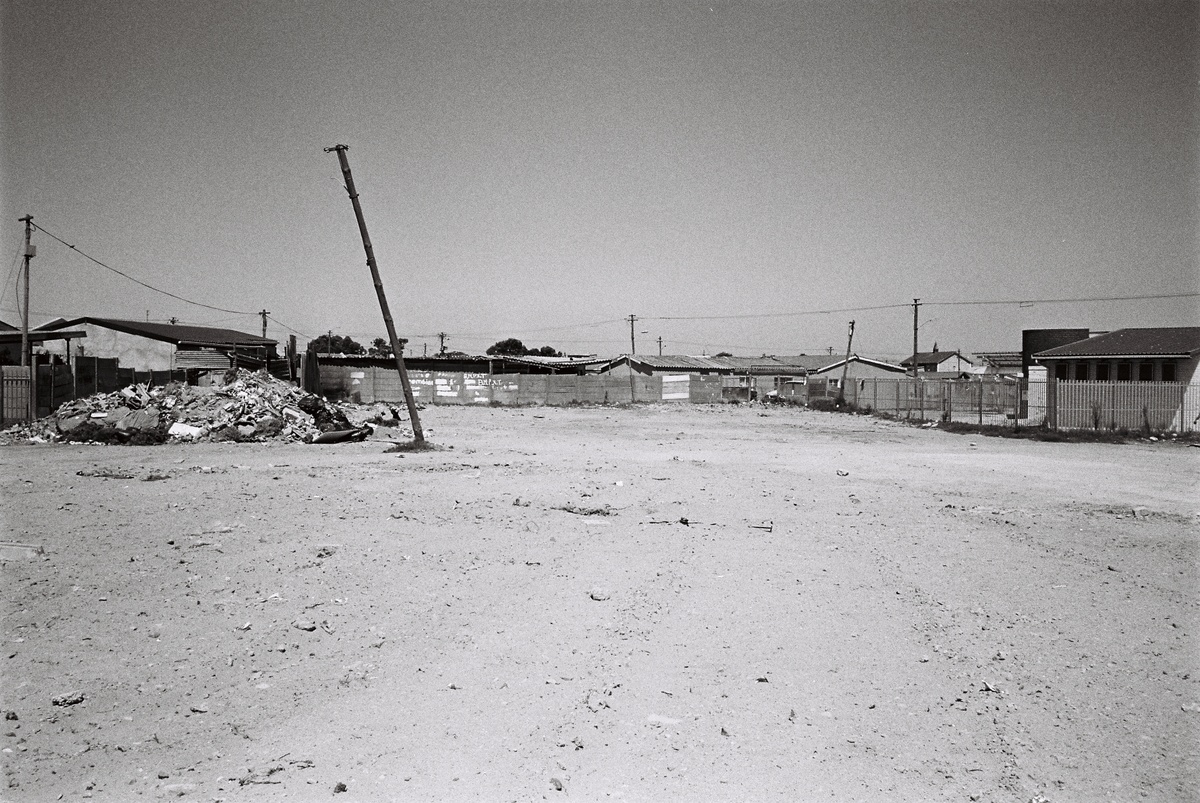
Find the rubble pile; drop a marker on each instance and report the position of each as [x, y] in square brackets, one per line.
[248, 407]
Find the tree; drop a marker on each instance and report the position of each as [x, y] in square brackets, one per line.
[515, 348]
[507, 348]
[338, 344]
[380, 348]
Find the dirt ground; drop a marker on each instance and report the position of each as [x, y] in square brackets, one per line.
[657, 603]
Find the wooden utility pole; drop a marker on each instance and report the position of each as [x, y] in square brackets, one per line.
[632, 341]
[397, 346]
[916, 306]
[660, 347]
[841, 397]
[442, 342]
[264, 315]
[29, 252]
[26, 354]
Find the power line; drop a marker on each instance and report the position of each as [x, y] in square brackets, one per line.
[12, 273]
[290, 329]
[1028, 301]
[138, 281]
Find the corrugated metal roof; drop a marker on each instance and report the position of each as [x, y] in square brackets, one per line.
[202, 358]
[1178, 341]
[171, 333]
[680, 363]
[1000, 359]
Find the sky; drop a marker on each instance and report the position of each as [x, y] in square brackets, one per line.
[740, 177]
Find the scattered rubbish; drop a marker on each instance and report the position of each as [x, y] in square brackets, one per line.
[684, 521]
[603, 510]
[306, 625]
[556, 784]
[841, 473]
[989, 687]
[1141, 512]
[181, 430]
[724, 732]
[72, 698]
[924, 659]
[766, 525]
[339, 787]
[600, 594]
[199, 709]
[104, 473]
[11, 549]
[762, 680]
[343, 435]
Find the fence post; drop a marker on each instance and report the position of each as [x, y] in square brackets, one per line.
[981, 402]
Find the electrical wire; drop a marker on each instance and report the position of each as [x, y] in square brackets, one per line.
[14, 270]
[290, 329]
[1027, 301]
[137, 281]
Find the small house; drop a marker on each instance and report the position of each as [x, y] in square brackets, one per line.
[149, 346]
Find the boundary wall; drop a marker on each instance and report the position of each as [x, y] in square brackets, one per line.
[370, 384]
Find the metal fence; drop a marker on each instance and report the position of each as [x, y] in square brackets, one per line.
[1058, 404]
[14, 394]
[1147, 406]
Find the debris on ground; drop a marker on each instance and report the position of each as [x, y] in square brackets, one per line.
[603, 510]
[70, 698]
[247, 407]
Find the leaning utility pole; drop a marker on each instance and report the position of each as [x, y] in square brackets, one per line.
[916, 306]
[397, 346]
[632, 342]
[26, 355]
[841, 397]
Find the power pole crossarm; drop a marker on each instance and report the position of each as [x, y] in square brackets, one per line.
[397, 345]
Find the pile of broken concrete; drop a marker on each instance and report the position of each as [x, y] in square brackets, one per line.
[247, 407]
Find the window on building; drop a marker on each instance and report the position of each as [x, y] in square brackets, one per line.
[1124, 371]
[1060, 370]
[1081, 371]
[1145, 372]
[1168, 371]
[1102, 372]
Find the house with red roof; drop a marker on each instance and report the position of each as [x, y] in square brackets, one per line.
[1153, 354]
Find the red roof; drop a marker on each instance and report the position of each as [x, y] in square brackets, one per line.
[1179, 341]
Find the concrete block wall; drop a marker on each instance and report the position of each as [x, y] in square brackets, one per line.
[369, 384]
